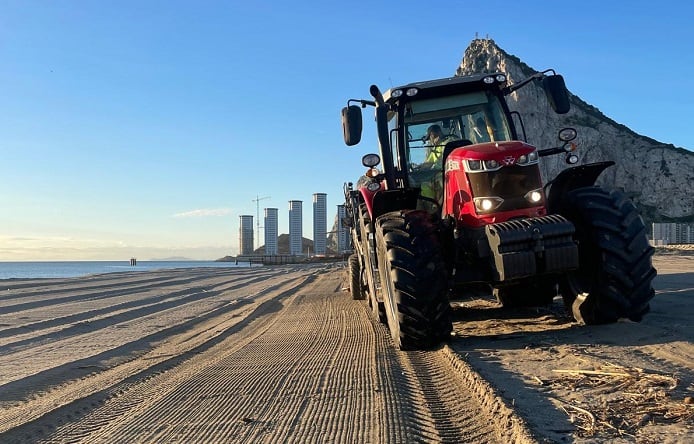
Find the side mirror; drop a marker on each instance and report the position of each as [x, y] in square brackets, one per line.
[351, 124]
[557, 94]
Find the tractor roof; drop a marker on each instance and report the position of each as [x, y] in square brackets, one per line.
[444, 87]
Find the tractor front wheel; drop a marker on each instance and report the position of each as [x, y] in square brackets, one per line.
[413, 278]
[615, 274]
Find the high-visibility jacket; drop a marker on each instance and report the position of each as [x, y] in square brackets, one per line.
[436, 151]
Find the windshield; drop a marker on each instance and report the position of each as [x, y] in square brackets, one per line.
[477, 117]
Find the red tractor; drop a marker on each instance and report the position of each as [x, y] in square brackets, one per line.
[442, 217]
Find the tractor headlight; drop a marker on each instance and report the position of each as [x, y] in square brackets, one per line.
[372, 172]
[491, 165]
[411, 92]
[373, 186]
[474, 165]
[487, 204]
[571, 158]
[567, 134]
[491, 79]
[370, 160]
[527, 159]
[534, 196]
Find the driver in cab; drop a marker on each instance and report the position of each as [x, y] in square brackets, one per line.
[436, 142]
[432, 188]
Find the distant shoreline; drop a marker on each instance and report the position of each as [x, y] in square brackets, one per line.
[71, 269]
[281, 259]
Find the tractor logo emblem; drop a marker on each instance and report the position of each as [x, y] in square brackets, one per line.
[508, 160]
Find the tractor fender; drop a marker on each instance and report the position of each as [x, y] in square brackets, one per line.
[571, 179]
[385, 201]
[368, 198]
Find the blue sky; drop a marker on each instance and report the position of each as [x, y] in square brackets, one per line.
[145, 128]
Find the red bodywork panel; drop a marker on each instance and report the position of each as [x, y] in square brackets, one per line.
[369, 197]
[458, 201]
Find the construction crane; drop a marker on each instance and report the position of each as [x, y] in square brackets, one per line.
[257, 217]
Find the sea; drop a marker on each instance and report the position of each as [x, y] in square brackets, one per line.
[32, 270]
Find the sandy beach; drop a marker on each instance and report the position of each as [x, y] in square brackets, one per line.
[282, 354]
[623, 382]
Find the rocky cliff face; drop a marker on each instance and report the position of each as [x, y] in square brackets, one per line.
[658, 177]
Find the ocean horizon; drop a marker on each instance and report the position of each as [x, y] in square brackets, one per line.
[67, 269]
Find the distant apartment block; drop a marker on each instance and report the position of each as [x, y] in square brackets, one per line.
[246, 234]
[673, 233]
[343, 239]
[271, 231]
[295, 227]
[320, 223]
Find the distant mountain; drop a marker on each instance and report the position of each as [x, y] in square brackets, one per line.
[657, 176]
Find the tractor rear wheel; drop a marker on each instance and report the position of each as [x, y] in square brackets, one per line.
[354, 277]
[413, 279]
[615, 274]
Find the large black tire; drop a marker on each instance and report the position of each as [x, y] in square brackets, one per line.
[528, 294]
[413, 279]
[368, 266]
[615, 275]
[354, 277]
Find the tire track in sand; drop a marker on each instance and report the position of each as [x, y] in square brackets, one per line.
[65, 401]
[311, 368]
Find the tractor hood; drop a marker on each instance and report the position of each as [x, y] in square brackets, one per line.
[506, 153]
[493, 182]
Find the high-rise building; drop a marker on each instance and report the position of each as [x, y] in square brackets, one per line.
[246, 234]
[271, 231]
[672, 233]
[343, 235]
[320, 215]
[295, 227]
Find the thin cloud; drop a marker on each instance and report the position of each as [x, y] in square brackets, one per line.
[204, 212]
[42, 239]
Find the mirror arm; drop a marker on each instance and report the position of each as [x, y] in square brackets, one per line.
[537, 76]
[362, 102]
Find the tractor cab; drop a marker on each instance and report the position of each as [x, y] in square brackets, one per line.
[452, 143]
[433, 128]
